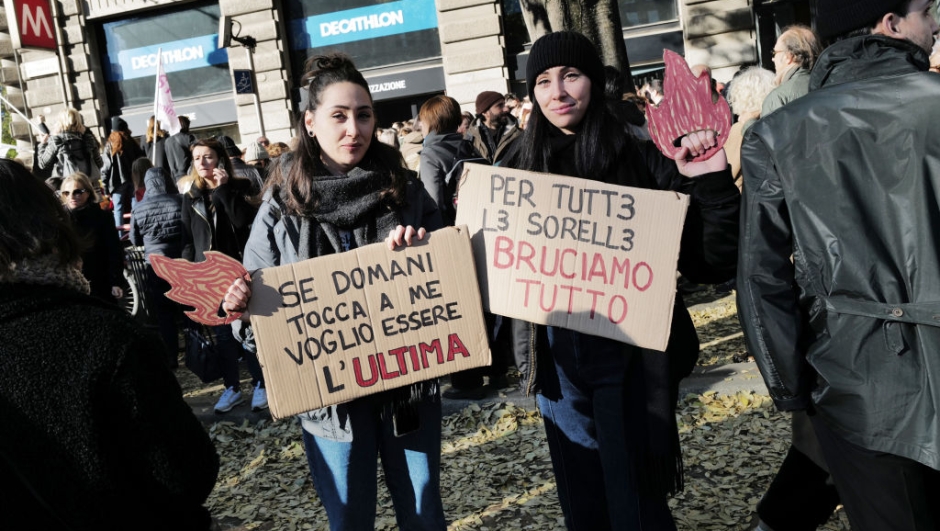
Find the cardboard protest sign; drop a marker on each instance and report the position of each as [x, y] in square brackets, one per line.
[335, 328]
[578, 254]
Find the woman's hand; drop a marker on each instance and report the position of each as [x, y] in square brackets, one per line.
[695, 144]
[403, 236]
[117, 292]
[220, 176]
[236, 298]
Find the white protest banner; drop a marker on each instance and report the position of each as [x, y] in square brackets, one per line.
[574, 253]
[164, 110]
[334, 328]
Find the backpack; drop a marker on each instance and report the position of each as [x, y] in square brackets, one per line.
[465, 153]
[73, 156]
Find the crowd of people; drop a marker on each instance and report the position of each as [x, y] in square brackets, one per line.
[820, 206]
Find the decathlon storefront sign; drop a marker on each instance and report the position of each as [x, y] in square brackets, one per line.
[370, 22]
[185, 54]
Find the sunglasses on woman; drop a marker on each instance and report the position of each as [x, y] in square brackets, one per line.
[76, 193]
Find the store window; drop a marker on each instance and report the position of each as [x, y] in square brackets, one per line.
[374, 33]
[643, 12]
[188, 42]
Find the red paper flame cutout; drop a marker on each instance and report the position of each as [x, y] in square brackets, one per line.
[687, 107]
[201, 285]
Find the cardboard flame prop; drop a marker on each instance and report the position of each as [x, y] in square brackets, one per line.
[202, 285]
[687, 107]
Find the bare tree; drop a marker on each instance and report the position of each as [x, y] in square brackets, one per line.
[599, 20]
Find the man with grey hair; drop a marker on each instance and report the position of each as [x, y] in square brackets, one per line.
[794, 55]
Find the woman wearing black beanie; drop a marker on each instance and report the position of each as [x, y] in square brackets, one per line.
[609, 407]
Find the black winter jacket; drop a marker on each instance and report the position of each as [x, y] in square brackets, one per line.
[227, 230]
[116, 170]
[845, 180]
[156, 222]
[439, 155]
[161, 160]
[96, 434]
[179, 158]
[103, 261]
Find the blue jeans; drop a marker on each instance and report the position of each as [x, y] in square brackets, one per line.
[344, 473]
[581, 401]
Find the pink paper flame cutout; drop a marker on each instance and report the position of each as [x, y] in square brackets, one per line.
[686, 107]
[201, 285]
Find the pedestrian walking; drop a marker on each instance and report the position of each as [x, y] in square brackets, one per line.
[72, 148]
[120, 152]
[609, 407]
[339, 190]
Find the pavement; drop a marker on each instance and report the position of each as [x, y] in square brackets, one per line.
[725, 379]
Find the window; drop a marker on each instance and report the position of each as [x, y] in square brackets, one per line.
[642, 12]
[188, 42]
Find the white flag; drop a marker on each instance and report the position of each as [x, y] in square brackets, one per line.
[163, 108]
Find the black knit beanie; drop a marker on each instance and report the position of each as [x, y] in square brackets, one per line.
[835, 17]
[563, 48]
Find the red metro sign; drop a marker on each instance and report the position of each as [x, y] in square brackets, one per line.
[31, 24]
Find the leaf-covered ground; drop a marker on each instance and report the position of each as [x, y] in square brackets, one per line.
[496, 471]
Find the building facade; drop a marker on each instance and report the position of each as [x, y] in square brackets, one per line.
[408, 50]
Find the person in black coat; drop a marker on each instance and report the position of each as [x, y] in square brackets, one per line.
[217, 216]
[179, 158]
[96, 434]
[609, 407]
[120, 152]
[103, 261]
[156, 223]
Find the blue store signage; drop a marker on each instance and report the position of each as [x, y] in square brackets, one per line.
[370, 22]
[186, 54]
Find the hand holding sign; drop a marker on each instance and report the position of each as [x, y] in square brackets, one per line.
[200, 285]
[687, 108]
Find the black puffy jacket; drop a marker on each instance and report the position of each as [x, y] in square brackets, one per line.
[846, 180]
[156, 221]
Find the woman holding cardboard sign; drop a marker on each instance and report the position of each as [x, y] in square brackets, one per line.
[342, 189]
[609, 407]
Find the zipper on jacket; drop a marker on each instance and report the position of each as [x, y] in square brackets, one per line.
[207, 223]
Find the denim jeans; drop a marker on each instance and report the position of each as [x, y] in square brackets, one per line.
[581, 401]
[230, 350]
[344, 473]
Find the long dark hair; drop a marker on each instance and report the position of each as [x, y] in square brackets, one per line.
[33, 222]
[600, 140]
[302, 195]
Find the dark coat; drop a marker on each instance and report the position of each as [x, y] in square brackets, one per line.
[178, 155]
[156, 222]
[161, 160]
[440, 154]
[249, 172]
[510, 133]
[228, 230]
[845, 180]
[96, 434]
[103, 261]
[116, 170]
